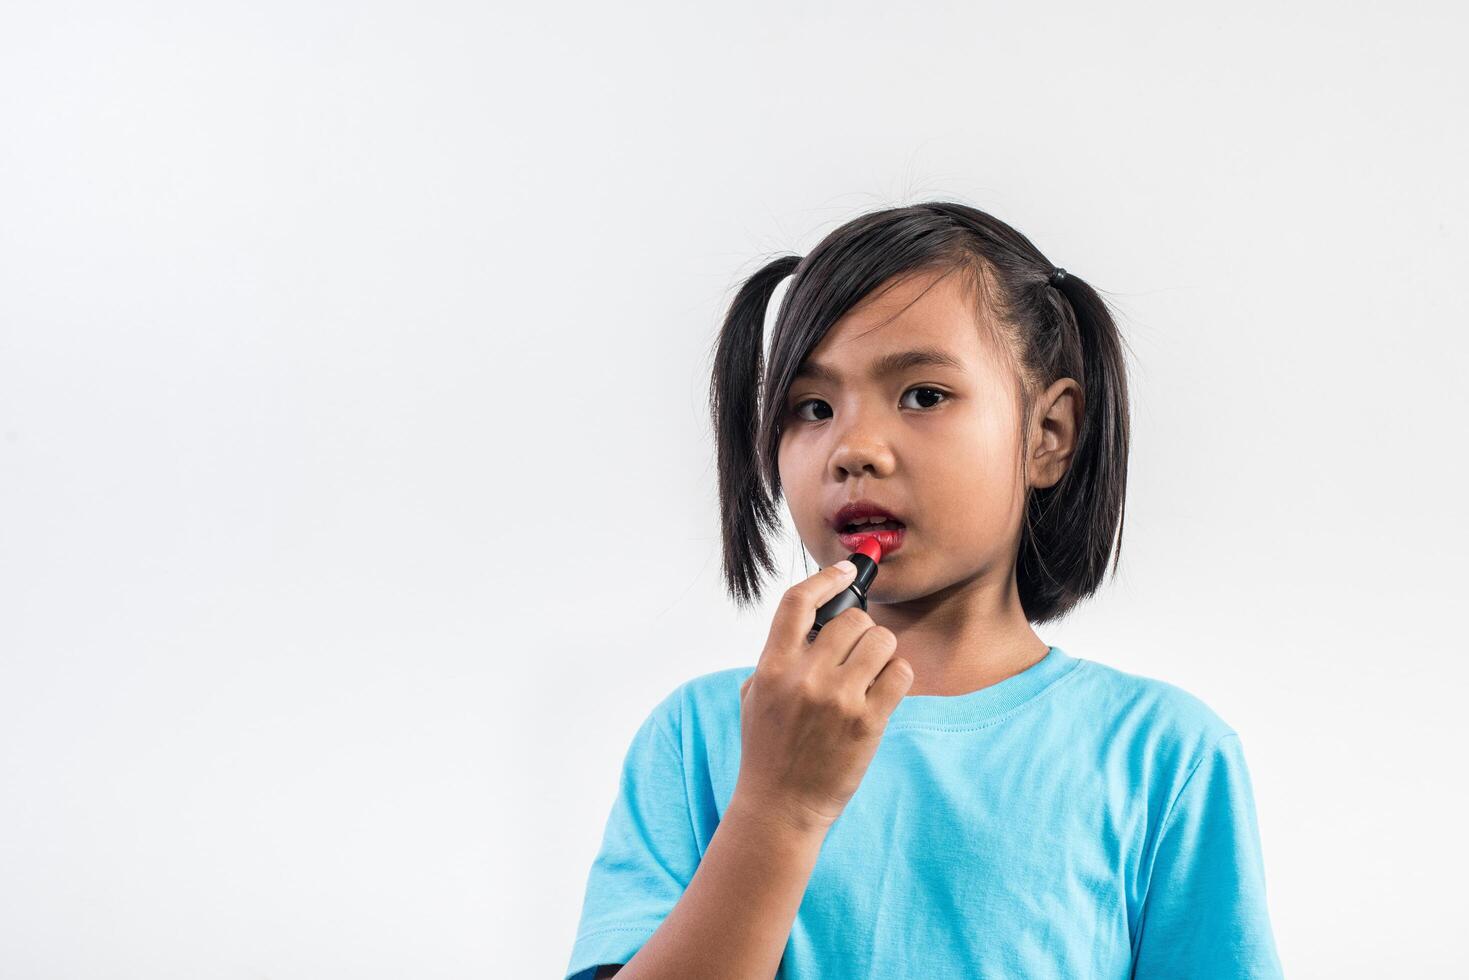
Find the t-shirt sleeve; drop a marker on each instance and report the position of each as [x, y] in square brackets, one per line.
[1204, 914]
[648, 853]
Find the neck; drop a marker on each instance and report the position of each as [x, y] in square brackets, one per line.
[964, 637]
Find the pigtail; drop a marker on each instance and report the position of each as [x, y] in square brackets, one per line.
[1070, 527]
[747, 509]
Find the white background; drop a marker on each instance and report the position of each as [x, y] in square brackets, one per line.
[357, 489]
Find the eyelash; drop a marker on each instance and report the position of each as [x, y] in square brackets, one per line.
[796, 409]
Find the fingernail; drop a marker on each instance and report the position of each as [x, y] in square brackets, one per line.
[845, 567]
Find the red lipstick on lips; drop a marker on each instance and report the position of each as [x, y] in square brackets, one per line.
[888, 540]
[865, 557]
[856, 514]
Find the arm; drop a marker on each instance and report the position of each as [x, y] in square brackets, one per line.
[735, 917]
[1205, 915]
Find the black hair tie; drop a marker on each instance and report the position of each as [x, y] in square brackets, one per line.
[1055, 278]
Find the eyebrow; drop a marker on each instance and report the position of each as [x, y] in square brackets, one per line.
[887, 364]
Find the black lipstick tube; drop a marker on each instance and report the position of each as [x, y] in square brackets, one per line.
[854, 594]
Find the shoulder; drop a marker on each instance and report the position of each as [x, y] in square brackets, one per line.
[1162, 708]
[702, 703]
[694, 730]
[711, 690]
[1155, 736]
[712, 697]
[1158, 731]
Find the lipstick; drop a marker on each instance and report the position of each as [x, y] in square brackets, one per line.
[866, 557]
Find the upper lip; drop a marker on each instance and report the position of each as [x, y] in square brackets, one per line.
[858, 509]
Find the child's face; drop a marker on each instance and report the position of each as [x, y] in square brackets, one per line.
[945, 464]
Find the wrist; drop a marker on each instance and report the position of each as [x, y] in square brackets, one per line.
[781, 817]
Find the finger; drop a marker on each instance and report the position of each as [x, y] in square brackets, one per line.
[834, 644]
[870, 653]
[891, 686]
[796, 613]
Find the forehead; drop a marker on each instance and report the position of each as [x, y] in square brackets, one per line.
[930, 310]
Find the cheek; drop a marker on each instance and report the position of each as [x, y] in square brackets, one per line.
[794, 480]
[976, 486]
[788, 466]
[972, 442]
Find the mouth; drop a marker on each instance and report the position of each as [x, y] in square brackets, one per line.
[889, 535]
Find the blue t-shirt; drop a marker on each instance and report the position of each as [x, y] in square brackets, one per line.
[1072, 820]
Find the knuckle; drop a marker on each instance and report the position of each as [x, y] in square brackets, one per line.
[813, 692]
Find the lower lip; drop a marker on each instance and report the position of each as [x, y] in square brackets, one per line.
[889, 541]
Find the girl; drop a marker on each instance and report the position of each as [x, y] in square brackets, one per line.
[927, 789]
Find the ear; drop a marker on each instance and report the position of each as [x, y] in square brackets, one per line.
[1056, 422]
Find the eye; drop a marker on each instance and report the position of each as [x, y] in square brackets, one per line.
[810, 401]
[932, 391]
[796, 409]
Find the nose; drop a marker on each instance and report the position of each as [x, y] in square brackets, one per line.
[861, 450]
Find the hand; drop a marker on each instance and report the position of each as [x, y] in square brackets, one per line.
[812, 715]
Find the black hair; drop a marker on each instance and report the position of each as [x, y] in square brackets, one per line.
[1050, 331]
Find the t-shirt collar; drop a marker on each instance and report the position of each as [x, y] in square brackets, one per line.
[977, 707]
